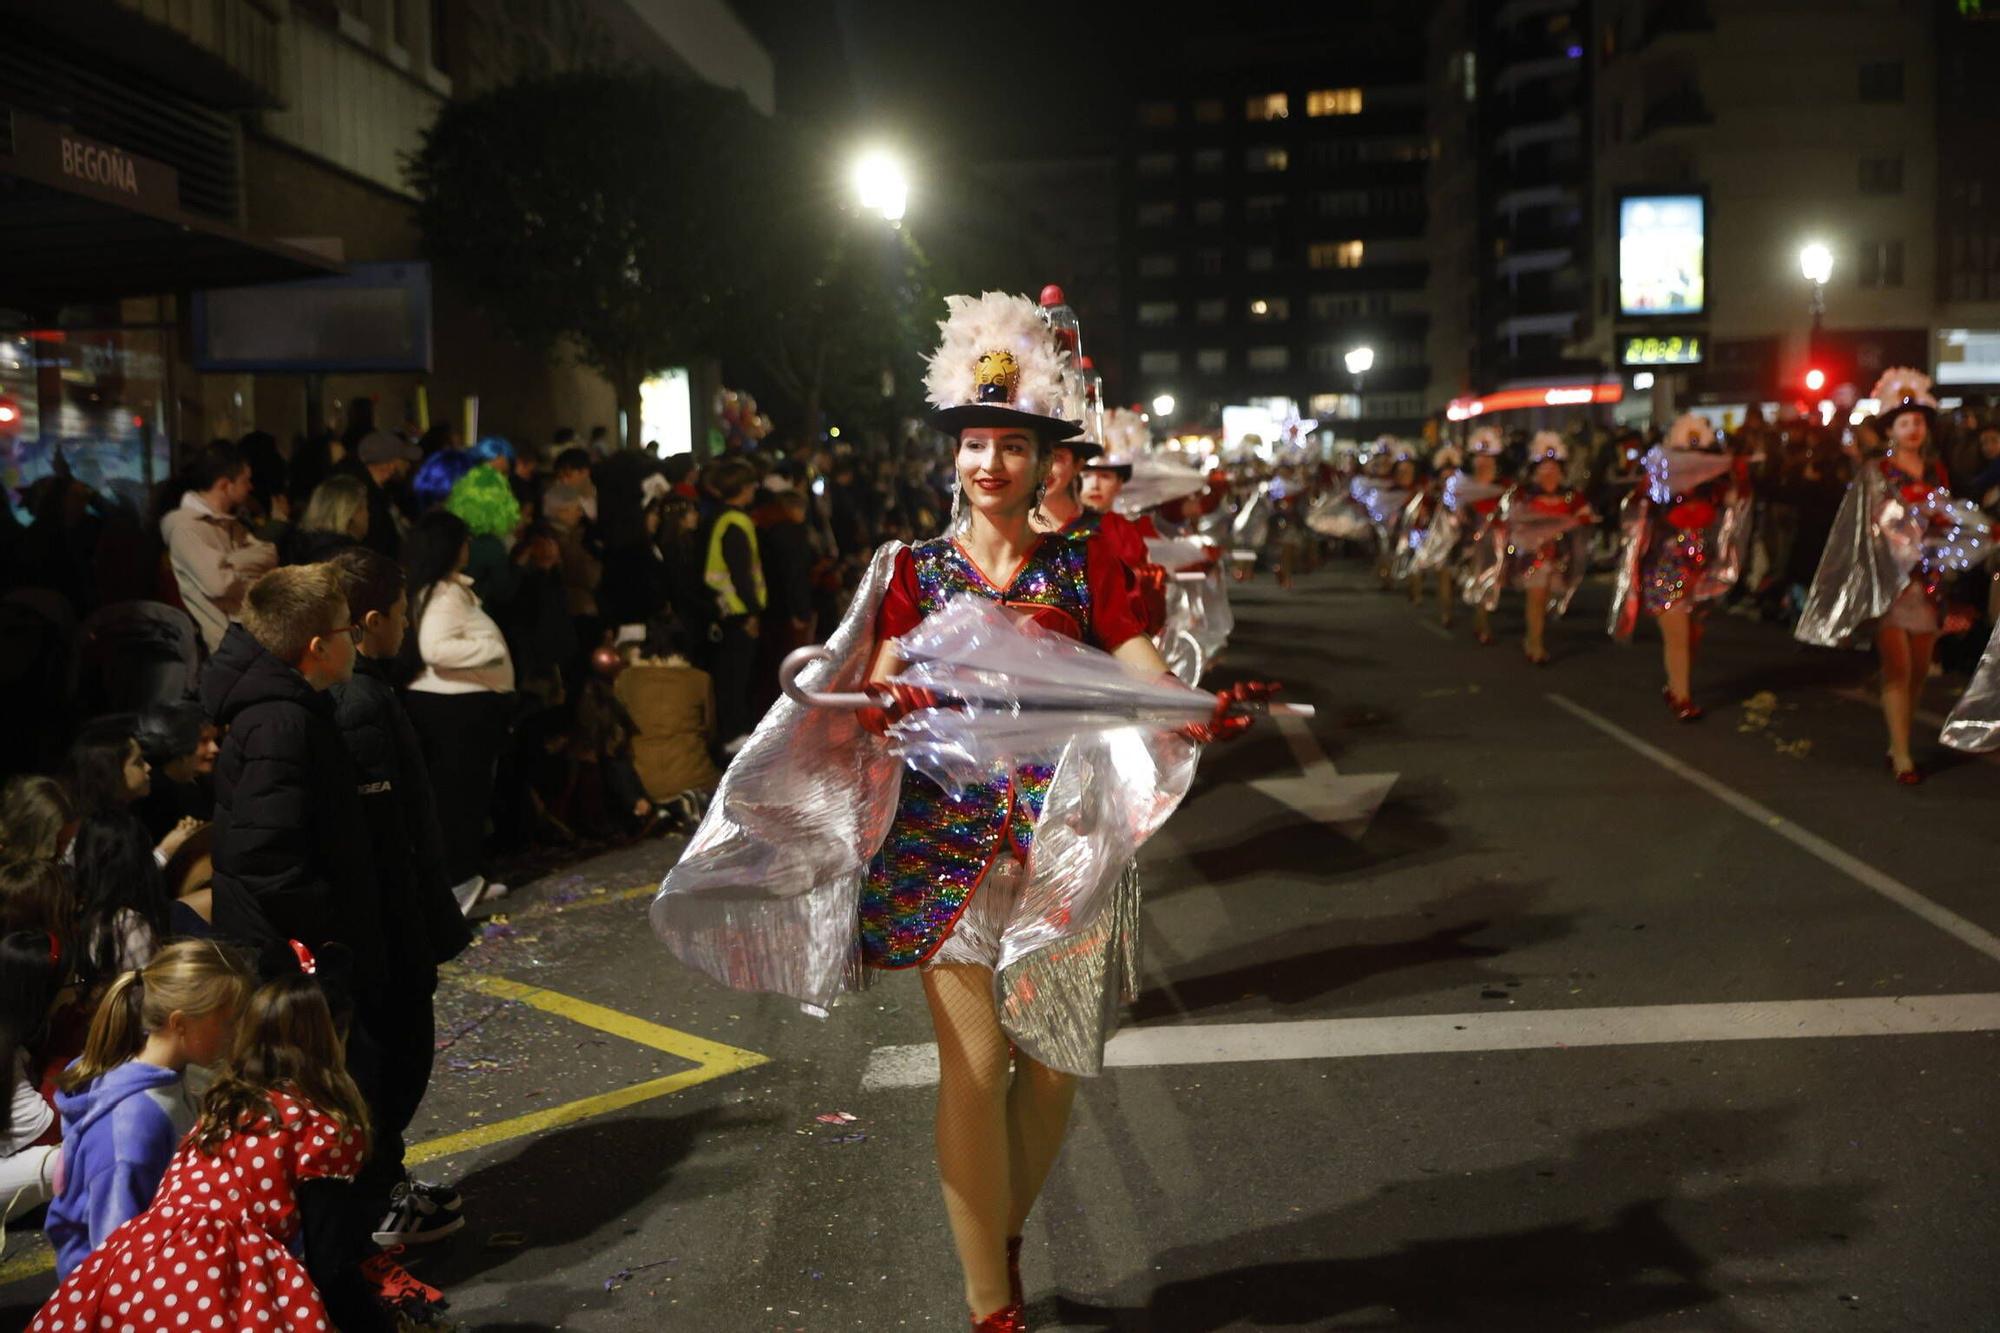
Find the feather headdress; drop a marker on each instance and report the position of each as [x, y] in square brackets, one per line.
[1903, 386]
[1446, 455]
[1486, 440]
[1547, 447]
[1126, 433]
[998, 364]
[1690, 431]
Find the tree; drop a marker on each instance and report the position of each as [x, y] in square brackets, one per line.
[601, 208]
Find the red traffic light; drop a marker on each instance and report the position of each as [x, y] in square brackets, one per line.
[10, 412]
[1815, 379]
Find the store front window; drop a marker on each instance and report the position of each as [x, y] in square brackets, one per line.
[86, 400]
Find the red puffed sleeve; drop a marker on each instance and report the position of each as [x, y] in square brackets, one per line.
[1126, 542]
[1114, 600]
[901, 610]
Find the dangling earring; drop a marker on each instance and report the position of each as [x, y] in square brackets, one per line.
[957, 505]
[1041, 493]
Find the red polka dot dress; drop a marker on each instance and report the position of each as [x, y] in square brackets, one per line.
[211, 1253]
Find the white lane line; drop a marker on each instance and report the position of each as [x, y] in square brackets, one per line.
[1499, 1030]
[1319, 792]
[1847, 864]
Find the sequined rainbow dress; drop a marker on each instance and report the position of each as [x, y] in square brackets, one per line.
[1680, 549]
[1683, 535]
[939, 888]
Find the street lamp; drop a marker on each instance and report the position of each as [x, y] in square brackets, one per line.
[1816, 263]
[1359, 359]
[1163, 406]
[880, 186]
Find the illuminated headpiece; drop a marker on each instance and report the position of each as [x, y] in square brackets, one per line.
[998, 364]
[1903, 389]
[1486, 440]
[1547, 447]
[1690, 431]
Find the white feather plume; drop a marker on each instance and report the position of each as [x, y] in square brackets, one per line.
[1447, 455]
[1485, 440]
[1126, 433]
[996, 322]
[1903, 384]
[1691, 431]
[1547, 444]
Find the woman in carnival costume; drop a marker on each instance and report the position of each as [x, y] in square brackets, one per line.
[1539, 542]
[1455, 545]
[1897, 537]
[1417, 519]
[1387, 480]
[1685, 531]
[822, 862]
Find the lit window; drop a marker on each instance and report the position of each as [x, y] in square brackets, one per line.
[1334, 254]
[1270, 358]
[1212, 360]
[1266, 158]
[1269, 309]
[1267, 106]
[1333, 102]
[1155, 313]
[1335, 406]
[1157, 115]
[1159, 363]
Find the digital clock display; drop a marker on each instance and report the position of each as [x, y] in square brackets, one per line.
[1679, 349]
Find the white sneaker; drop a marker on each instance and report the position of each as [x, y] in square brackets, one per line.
[475, 891]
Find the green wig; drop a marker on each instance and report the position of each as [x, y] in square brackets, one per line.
[485, 500]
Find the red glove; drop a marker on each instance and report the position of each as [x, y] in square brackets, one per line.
[900, 701]
[1227, 722]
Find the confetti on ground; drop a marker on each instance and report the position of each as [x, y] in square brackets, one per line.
[624, 1275]
[836, 1117]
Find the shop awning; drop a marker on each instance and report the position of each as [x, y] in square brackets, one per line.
[82, 222]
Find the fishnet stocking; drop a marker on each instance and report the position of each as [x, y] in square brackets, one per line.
[997, 1136]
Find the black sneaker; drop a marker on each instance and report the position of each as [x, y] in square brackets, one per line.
[440, 1196]
[413, 1219]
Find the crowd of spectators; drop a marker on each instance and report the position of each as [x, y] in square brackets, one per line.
[310, 706]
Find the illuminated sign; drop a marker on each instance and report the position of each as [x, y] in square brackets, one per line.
[1652, 349]
[1553, 395]
[1662, 262]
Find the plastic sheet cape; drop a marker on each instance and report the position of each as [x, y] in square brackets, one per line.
[1406, 537]
[1383, 502]
[1157, 481]
[1672, 472]
[1453, 522]
[1252, 525]
[1504, 554]
[765, 898]
[1119, 773]
[1875, 544]
[1974, 721]
[1340, 517]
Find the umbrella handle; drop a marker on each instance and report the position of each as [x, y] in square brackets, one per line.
[1185, 576]
[798, 660]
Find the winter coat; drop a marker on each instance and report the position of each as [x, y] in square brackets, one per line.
[119, 1132]
[290, 859]
[215, 560]
[303, 547]
[463, 651]
[423, 924]
[673, 708]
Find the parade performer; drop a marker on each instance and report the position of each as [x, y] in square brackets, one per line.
[1387, 480]
[1684, 534]
[1103, 477]
[1538, 543]
[1898, 536]
[1974, 723]
[1417, 517]
[1466, 504]
[822, 862]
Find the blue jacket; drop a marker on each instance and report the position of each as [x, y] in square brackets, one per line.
[118, 1134]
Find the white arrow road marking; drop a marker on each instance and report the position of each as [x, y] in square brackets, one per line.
[1320, 793]
[1498, 1030]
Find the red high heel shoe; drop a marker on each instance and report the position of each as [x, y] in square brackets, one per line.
[1686, 709]
[1905, 777]
[1014, 1289]
[1007, 1319]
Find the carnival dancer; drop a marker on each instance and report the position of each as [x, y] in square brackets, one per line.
[1416, 520]
[1897, 537]
[1538, 537]
[1685, 531]
[1466, 505]
[820, 852]
[1386, 482]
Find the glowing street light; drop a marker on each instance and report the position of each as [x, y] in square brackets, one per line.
[1359, 360]
[1816, 263]
[1163, 405]
[880, 186]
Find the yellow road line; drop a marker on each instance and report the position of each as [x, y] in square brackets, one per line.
[711, 1060]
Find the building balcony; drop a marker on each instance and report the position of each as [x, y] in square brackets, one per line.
[1683, 109]
[1669, 19]
[222, 53]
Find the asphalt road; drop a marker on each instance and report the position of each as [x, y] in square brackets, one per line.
[1604, 1022]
